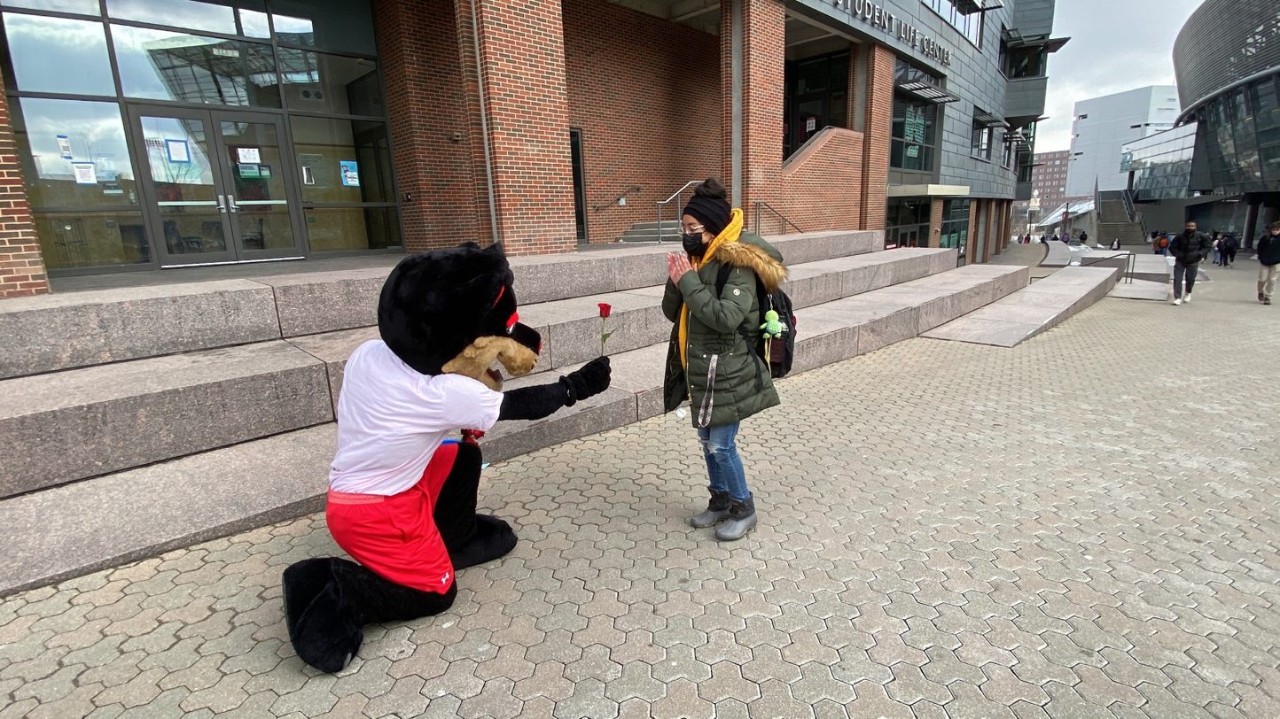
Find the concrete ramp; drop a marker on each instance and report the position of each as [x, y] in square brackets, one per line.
[1031, 310]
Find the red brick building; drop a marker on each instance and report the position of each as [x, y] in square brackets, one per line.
[139, 136]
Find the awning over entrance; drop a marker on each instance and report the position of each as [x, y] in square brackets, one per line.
[927, 92]
[928, 190]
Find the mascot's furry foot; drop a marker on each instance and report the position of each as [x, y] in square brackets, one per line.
[493, 538]
[321, 625]
[327, 602]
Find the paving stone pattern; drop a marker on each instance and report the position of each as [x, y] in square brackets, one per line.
[1082, 526]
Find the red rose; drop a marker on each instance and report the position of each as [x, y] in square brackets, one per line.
[605, 309]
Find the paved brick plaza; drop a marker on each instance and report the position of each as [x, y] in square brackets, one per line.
[1096, 537]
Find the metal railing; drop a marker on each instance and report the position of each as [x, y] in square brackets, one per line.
[1131, 262]
[675, 197]
[756, 226]
[1129, 210]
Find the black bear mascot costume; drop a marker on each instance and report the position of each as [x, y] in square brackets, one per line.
[402, 486]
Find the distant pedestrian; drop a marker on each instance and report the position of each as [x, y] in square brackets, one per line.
[1229, 249]
[1217, 249]
[1115, 244]
[1055, 237]
[1084, 237]
[1162, 245]
[1189, 248]
[1269, 262]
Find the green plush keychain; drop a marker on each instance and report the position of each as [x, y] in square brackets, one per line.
[771, 329]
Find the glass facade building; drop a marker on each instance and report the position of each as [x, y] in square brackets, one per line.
[1161, 164]
[1239, 135]
[1227, 62]
[173, 132]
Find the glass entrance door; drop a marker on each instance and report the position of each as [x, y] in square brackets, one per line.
[215, 187]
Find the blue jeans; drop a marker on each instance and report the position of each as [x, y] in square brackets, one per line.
[724, 464]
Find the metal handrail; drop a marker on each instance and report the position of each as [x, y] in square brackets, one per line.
[756, 225]
[674, 196]
[1129, 210]
[1131, 262]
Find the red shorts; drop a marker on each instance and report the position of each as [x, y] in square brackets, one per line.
[396, 536]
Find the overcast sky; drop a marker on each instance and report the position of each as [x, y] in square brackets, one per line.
[1116, 45]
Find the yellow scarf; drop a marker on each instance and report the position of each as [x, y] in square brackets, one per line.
[730, 234]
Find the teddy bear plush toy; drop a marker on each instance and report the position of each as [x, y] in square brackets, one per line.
[404, 479]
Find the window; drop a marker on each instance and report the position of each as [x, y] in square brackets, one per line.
[914, 134]
[164, 65]
[981, 139]
[84, 200]
[57, 55]
[968, 24]
[309, 63]
[1023, 61]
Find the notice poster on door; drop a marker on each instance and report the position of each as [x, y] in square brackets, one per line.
[178, 151]
[349, 172]
[248, 155]
[86, 173]
[250, 171]
[810, 124]
[64, 147]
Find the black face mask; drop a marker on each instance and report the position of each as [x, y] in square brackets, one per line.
[693, 244]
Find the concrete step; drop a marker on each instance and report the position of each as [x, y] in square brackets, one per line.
[80, 329]
[571, 328]
[129, 414]
[1032, 310]
[81, 527]
[72, 425]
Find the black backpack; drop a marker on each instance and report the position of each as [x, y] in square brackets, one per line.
[782, 350]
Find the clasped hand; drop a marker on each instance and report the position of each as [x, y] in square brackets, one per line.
[677, 265]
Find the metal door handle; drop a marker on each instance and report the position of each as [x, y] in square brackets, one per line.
[219, 203]
[231, 204]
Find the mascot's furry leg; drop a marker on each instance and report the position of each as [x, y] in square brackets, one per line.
[471, 538]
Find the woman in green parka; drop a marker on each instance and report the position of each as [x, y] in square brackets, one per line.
[711, 361]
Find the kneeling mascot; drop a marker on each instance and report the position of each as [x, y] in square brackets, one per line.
[402, 486]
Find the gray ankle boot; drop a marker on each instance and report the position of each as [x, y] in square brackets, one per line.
[717, 510]
[742, 519]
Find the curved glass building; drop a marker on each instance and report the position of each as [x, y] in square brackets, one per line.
[1227, 62]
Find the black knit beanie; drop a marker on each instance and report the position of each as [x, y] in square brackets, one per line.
[709, 206]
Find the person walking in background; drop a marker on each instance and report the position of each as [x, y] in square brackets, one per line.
[1268, 262]
[1217, 249]
[1229, 249]
[1189, 248]
[1115, 244]
[1162, 245]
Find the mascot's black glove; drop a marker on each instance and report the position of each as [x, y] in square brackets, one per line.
[544, 399]
[589, 381]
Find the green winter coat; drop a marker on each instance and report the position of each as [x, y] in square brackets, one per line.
[740, 385]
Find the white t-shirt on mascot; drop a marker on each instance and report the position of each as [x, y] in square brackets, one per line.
[391, 419]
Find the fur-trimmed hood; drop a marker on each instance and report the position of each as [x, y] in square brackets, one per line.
[753, 253]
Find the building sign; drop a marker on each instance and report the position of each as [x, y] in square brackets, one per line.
[877, 17]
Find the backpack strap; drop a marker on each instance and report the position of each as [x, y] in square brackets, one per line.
[722, 278]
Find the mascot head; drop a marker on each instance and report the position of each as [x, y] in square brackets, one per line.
[454, 311]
